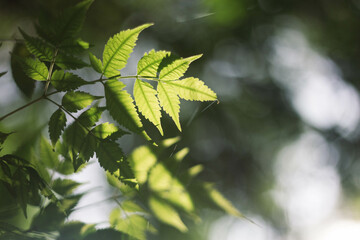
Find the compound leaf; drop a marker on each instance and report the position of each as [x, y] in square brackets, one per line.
[118, 49]
[110, 155]
[38, 47]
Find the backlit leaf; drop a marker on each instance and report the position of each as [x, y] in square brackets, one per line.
[177, 68]
[169, 101]
[110, 155]
[149, 64]
[95, 63]
[147, 102]
[118, 49]
[121, 107]
[34, 69]
[192, 89]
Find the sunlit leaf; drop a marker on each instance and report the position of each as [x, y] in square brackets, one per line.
[169, 101]
[34, 69]
[147, 102]
[121, 107]
[96, 63]
[166, 213]
[38, 47]
[193, 89]
[104, 130]
[141, 160]
[149, 64]
[118, 49]
[176, 69]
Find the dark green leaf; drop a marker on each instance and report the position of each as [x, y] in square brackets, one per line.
[23, 82]
[57, 124]
[65, 61]
[64, 187]
[74, 101]
[38, 47]
[110, 155]
[65, 81]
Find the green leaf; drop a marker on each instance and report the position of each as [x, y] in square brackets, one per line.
[133, 225]
[65, 61]
[147, 102]
[74, 101]
[57, 124]
[118, 49]
[65, 26]
[166, 213]
[47, 155]
[169, 101]
[219, 200]
[38, 47]
[141, 160]
[76, 46]
[149, 64]
[91, 116]
[110, 155]
[104, 130]
[96, 63]
[65, 81]
[177, 68]
[64, 187]
[164, 182]
[23, 82]
[193, 89]
[2, 73]
[121, 107]
[88, 147]
[34, 69]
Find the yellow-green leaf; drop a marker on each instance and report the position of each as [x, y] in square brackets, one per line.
[118, 49]
[74, 101]
[177, 68]
[149, 64]
[193, 89]
[169, 101]
[34, 69]
[147, 102]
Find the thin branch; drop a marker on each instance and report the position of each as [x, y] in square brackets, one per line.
[27, 105]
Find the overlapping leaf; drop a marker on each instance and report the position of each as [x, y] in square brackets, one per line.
[149, 64]
[96, 63]
[34, 69]
[118, 49]
[65, 81]
[177, 68]
[121, 107]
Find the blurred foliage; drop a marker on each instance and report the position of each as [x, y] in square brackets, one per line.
[236, 141]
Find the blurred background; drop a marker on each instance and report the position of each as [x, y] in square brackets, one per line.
[283, 143]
